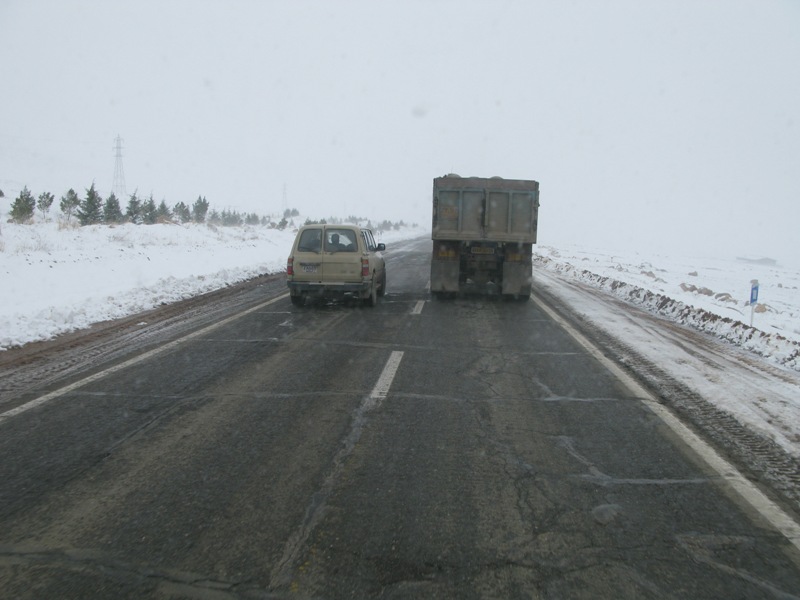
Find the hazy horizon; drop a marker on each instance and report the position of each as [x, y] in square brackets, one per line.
[647, 123]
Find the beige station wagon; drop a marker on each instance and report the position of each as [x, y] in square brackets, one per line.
[336, 261]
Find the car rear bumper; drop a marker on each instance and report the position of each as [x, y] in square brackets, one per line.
[328, 289]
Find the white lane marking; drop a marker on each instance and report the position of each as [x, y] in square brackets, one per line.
[742, 486]
[283, 571]
[381, 388]
[418, 308]
[128, 363]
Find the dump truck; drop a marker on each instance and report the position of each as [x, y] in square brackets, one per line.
[483, 234]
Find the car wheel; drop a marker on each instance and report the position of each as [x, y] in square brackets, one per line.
[298, 300]
[382, 291]
[372, 299]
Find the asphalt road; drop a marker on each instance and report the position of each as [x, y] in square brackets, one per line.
[465, 448]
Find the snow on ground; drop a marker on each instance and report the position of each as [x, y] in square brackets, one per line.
[56, 280]
[709, 294]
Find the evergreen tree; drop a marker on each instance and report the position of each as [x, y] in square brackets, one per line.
[231, 218]
[112, 212]
[252, 219]
[69, 203]
[134, 212]
[90, 210]
[163, 214]
[182, 212]
[23, 207]
[200, 209]
[149, 211]
[44, 203]
[214, 218]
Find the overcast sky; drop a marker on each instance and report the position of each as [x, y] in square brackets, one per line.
[666, 124]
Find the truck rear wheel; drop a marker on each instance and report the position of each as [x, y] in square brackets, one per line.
[521, 297]
[444, 295]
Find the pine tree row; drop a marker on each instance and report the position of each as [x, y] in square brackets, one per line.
[92, 209]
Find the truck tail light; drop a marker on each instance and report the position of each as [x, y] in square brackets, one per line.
[290, 266]
[518, 252]
[445, 250]
[365, 267]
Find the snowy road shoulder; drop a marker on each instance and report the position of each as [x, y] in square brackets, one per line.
[763, 397]
[660, 286]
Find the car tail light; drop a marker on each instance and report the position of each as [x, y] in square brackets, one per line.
[365, 267]
[290, 266]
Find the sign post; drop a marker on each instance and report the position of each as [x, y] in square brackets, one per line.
[753, 298]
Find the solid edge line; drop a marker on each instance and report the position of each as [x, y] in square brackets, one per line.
[128, 363]
[746, 490]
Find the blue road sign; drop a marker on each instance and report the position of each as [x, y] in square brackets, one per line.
[754, 293]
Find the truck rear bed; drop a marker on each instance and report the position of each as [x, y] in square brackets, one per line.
[478, 208]
[483, 232]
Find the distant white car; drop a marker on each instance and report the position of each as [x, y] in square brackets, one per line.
[336, 261]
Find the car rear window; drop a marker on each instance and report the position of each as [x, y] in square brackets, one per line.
[310, 240]
[340, 240]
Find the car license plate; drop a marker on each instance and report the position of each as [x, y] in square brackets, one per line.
[482, 250]
[309, 268]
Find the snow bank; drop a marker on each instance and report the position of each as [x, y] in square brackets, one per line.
[695, 292]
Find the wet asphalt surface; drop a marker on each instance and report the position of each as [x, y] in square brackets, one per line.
[275, 455]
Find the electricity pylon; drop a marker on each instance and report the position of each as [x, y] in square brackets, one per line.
[119, 174]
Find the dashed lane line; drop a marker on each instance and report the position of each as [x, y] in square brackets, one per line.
[284, 570]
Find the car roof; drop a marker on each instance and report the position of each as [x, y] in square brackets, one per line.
[331, 226]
